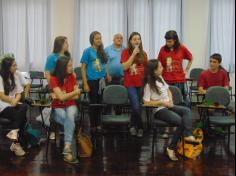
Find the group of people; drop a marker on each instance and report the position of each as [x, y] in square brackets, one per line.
[146, 81]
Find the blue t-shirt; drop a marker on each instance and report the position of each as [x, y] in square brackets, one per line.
[95, 70]
[114, 64]
[51, 62]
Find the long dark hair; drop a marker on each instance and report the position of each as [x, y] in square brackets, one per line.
[172, 35]
[7, 75]
[58, 45]
[100, 51]
[150, 76]
[131, 48]
[60, 71]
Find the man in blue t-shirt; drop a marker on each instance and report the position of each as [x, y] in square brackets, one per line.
[114, 53]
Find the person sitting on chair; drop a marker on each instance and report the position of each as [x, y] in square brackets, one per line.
[65, 92]
[10, 106]
[216, 75]
[157, 94]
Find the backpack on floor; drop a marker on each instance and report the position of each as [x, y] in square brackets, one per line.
[190, 150]
[30, 138]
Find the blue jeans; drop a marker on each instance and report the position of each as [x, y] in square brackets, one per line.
[66, 117]
[134, 97]
[183, 89]
[180, 116]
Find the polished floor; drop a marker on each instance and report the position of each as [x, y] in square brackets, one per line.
[119, 156]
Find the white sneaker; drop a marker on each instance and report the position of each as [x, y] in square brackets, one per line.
[171, 154]
[52, 136]
[133, 131]
[140, 133]
[16, 147]
[13, 134]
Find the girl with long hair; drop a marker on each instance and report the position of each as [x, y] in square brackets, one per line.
[134, 59]
[157, 94]
[65, 92]
[10, 108]
[60, 48]
[94, 71]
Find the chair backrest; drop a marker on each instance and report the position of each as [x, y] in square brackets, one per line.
[195, 73]
[115, 95]
[77, 71]
[219, 95]
[36, 75]
[177, 95]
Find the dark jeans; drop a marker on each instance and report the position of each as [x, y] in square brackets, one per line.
[17, 115]
[95, 98]
[134, 97]
[181, 117]
[183, 89]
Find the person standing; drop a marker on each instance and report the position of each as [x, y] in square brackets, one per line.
[171, 57]
[94, 72]
[134, 59]
[114, 55]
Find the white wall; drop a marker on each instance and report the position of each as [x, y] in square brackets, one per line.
[62, 19]
[195, 25]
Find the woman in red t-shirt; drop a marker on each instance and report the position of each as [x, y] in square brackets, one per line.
[134, 59]
[65, 92]
[171, 57]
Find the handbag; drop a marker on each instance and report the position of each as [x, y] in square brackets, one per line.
[190, 150]
[85, 145]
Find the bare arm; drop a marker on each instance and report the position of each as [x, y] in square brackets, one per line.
[84, 78]
[27, 90]
[12, 101]
[6, 98]
[47, 76]
[65, 96]
[201, 90]
[153, 103]
[188, 66]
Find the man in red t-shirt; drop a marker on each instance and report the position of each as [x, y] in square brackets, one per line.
[171, 57]
[214, 76]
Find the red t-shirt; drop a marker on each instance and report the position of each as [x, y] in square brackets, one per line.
[208, 79]
[172, 63]
[133, 77]
[68, 87]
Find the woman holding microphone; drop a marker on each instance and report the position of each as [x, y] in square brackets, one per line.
[134, 59]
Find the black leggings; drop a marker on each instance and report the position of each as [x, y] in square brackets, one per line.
[17, 115]
[95, 98]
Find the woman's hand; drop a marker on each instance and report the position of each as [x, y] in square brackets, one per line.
[135, 51]
[109, 78]
[86, 88]
[14, 102]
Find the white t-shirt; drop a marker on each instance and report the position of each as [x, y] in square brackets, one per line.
[18, 89]
[150, 95]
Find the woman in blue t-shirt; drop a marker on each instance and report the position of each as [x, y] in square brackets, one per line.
[60, 48]
[94, 70]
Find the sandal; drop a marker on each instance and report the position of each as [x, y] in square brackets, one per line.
[70, 159]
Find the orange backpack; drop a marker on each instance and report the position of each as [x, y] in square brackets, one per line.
[190, 150]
